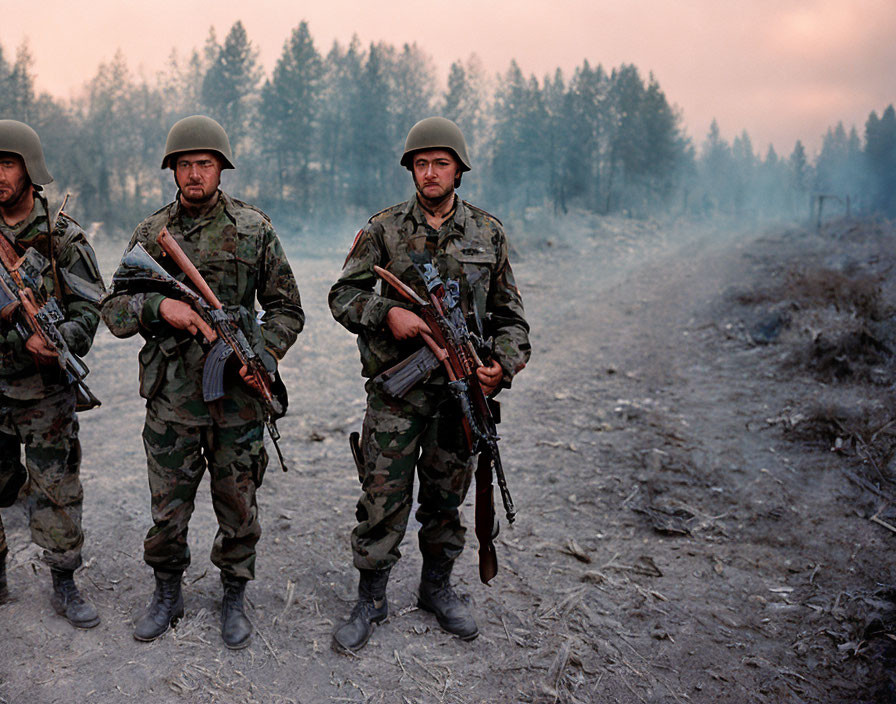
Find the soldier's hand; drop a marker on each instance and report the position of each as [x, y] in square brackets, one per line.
[181, 315]
[41, 351]
[405, 324]
[490, 377]
[251, 379]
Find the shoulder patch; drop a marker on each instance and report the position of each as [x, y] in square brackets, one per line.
[354, 246]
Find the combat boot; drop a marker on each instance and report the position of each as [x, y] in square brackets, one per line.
[371, 608]
[438, 596]
[4, 590]
[236, 629]
[69, 603]
[166, 607]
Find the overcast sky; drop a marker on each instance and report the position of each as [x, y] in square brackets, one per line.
[781, 69]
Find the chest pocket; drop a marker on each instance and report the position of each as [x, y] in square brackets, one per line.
[231, 275]
[476, 263]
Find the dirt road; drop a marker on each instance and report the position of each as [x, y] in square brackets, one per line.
[703, 501]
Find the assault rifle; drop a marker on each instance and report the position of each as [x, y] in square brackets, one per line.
[21, 279]
[452, 344]
[139, 272]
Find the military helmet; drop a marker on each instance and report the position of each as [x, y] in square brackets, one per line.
[197, 133]
[436, 133]
[18, 138]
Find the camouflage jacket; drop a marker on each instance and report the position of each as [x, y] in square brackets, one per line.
[80, 290]
[235, 248]
[470, 246]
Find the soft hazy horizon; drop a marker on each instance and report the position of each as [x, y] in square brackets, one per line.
[780, 69]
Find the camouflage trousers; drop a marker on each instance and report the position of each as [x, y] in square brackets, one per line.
[422, 433]
[177, 456]
[48, 428]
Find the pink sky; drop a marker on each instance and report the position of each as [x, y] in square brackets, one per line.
[781, 69]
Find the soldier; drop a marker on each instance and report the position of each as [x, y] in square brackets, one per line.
[422, 430]
[37, 402]
[236, 250]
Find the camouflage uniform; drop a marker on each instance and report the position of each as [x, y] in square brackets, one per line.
[37, 406]
[236, 250]
[423, 429]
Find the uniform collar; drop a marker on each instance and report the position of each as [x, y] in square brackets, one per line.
[457, 223]
[12, 232]
[190, 224]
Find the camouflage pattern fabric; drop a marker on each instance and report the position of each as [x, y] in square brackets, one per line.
[81, 289]
[48, 428]
[421, 431]
[471, 247]
[237, 251]
[37, 409]
[177, 456]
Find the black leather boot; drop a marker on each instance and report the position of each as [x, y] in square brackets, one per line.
[4, 590]
[236, 629]
[166, 607]
[438, 596]
[371, 608]
[67, 600]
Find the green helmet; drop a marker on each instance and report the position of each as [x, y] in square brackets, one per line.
[197, 133]
[18, 138]
[436, 133]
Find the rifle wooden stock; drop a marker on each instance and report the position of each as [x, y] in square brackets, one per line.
[486, 525]
[399, 285]
[170, 246]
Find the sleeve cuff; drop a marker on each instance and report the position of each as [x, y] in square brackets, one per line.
[375, 312]
[149, 316]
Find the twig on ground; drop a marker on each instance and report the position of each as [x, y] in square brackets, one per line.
[865, 484]
[882, 522]
[290, 595]
[268, 644]
[558, 667]
[629, 497]
[400, 663]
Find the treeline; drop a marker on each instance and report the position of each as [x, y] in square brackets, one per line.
[318, 139]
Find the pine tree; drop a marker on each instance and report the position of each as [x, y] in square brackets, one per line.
[230, 84]
[800, 176]
[743, 175]
[373, 155]
[411, 92]
[665, 146]
[289, 105]
[586, 123]
[19, 88]
[880, 156]
[468, 104]
[627, 159]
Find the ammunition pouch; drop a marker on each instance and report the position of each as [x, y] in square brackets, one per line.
[154, 359]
